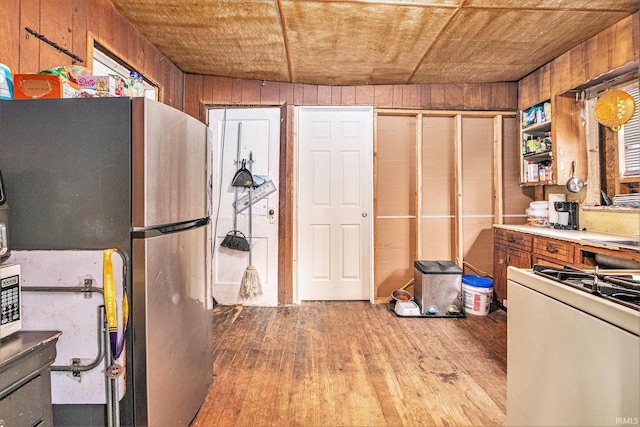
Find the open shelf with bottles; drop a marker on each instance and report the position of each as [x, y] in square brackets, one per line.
[536, 145]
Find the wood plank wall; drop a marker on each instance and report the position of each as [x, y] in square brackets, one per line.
[612, 48]
[72, 24]
[202, 91]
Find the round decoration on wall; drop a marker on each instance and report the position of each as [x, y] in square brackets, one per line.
[614, 108]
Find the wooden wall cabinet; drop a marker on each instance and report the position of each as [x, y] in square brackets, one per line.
[536, 147]
[551, 139]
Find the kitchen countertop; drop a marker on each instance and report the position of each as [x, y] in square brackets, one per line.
[591, 238]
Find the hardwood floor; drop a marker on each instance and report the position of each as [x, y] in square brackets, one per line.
[354, 364]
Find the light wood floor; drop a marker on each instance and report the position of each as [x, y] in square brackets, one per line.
[354, 364]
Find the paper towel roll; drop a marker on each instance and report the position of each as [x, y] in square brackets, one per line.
[555, 197]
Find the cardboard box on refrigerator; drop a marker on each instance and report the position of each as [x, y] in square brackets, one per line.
[104, 84]
[36, 86]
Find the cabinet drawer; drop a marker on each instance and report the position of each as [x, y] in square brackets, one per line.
[554, 249]
[513, 239]
[28, 405]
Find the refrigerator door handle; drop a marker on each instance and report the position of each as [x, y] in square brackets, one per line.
[143, 233]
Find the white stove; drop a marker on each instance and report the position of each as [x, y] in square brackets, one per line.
[573, 355]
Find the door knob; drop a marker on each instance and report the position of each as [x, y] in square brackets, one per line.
[364, 214]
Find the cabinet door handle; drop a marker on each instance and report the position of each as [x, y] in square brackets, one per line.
[511, 239]
[552, 249]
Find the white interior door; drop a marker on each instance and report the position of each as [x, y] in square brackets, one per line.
[335, 167]
[260, 135]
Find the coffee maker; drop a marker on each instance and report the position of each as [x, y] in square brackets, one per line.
[567, 215]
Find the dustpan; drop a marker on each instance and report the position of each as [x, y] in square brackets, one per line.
[243, 177]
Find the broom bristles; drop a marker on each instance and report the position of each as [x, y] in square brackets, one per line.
[250, 286]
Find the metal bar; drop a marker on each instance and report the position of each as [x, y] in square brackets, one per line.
[108, 381]
[78, 289]
[53, 45]
[77, 368]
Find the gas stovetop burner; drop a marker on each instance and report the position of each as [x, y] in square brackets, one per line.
[618, 288]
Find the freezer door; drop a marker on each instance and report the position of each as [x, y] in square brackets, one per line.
[173, 356]
[170, 165]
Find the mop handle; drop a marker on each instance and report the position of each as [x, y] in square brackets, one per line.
[235, 206]
[250, 213]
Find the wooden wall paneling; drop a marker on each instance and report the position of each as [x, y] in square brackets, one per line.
[498, 188]
[192, 96]
[411, 96]
[298, 94]
[504, 96]
[472, 96]
[365, 95]
[383, 96]
[599, 63]
[105, 33]
[236, 91]
[438, 188]
[437, 96]
[79, 30]
[29, 45]
[128, 41]
[578, 72]
[10, 32]
[535, 87]
[527, 89]
[324, 95]
[397, 96]
[545, 83]
[251, 92]
[425, 96]
[625, 45]
[348, 95]
[220, 92]
[457, 183]
[454, 96]
[310, 94]
[270, 94]
[336, 95]
[286, 93]
[178, 89]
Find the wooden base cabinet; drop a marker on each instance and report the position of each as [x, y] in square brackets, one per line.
[511, 248]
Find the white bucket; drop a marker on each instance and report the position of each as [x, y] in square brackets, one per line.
[476, 299]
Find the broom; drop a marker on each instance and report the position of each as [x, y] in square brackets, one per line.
[250, 286]
[235, 239]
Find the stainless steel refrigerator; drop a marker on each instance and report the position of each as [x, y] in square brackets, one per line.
[130, 174]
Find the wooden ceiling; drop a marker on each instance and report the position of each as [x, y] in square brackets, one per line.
[359, 42]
